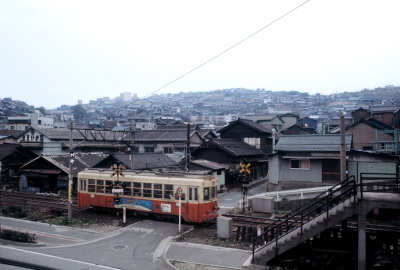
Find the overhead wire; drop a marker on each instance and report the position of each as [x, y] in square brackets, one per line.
[218, 55]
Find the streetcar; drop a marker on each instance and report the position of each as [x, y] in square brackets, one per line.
[159, 194]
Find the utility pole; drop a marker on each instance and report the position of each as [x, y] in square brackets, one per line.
[343, 168]
[70, 182]
[132, 130]
[187, 147]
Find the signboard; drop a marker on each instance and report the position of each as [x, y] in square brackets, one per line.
[117, 190]
[166, 208]
[179, 192]
[134, 204]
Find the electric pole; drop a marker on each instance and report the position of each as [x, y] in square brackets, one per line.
[70, 181]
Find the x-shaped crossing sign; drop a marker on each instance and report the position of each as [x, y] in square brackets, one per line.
[244, 167]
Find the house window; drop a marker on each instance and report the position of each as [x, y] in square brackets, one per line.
[301, 164]
[253, 142]
[168, 150]
[387, 146]
[149, 149]
[180, 150]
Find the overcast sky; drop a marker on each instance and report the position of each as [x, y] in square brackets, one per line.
[57, 52]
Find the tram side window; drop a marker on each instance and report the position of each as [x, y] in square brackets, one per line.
[157, 190]
[147, 191]
[109, 186]
[206, 194]
[92, 185]
[128, 188]
[83, 184]
[168, 192]
[100, 186]
[193, 194]
[137, 189]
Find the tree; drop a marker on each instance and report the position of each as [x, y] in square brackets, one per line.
[79, 112]
[42, 110]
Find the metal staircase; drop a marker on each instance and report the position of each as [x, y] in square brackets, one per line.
[324, 211]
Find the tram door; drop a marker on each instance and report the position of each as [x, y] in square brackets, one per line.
[193, 203]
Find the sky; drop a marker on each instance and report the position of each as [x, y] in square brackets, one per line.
[58, 52]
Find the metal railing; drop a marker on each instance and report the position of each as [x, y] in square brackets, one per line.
[378, 182]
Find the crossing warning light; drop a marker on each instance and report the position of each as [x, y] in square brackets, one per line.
[117, 200]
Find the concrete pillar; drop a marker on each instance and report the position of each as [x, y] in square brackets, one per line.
[362, 241]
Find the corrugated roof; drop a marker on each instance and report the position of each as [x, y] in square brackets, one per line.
[81, 161]
[313, 142]
[209, 164]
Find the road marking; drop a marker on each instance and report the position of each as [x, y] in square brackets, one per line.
[136, 229]
[43, 234]
[60, 258]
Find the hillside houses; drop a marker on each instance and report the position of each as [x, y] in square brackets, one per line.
[209, 130]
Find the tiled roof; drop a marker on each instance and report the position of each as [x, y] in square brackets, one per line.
[249, 123]
[313, 142]
[370, 121]
[142, 161]
[13, 133]
[162, 135]
[7, 149]
[236, 147]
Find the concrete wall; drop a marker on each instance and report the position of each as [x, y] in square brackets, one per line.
[280, 171]
[356, 168]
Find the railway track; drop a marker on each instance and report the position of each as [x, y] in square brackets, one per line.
[34, 201]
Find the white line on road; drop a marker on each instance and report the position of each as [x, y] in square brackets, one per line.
[60, 258]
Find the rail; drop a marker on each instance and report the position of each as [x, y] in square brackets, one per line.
[323, 203]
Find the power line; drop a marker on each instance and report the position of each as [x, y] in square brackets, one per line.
[218, 55]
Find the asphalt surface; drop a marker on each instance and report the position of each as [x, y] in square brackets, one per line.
[144, 245]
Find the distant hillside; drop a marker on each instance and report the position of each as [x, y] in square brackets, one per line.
[389, 92]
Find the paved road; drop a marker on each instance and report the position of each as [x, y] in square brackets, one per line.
[145, 245]
[132, 247]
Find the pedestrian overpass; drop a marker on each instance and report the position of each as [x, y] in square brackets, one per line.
[331, 207]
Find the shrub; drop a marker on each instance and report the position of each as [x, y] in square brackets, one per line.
[17, 236]
[15, 211]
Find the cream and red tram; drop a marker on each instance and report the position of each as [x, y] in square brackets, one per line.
[155, 193]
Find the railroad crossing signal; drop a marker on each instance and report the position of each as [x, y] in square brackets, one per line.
[245, 168]
[117, 200]
[118, 169]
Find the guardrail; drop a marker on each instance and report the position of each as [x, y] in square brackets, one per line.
[293, 192]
